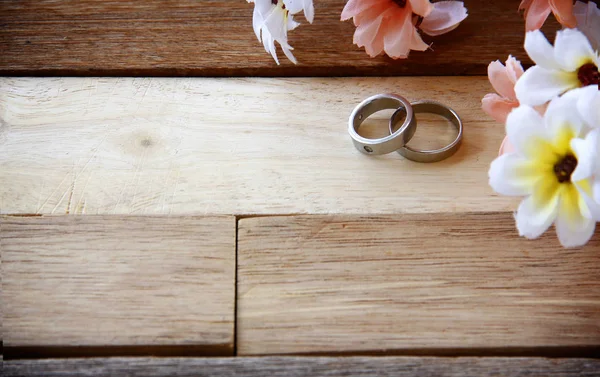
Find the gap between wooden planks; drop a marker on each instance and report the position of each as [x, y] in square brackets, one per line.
[307, 366]
[427, 284]
[231, 147]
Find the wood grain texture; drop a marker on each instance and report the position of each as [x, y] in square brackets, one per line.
[230, 146]
[210, 37]
[118, 281]
[413, 283]
[307, 366]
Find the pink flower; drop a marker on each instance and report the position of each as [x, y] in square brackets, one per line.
[390, 25]
[537, 11]
[503, 79]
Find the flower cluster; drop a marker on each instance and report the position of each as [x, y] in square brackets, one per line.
[390, 26]
[551, 155]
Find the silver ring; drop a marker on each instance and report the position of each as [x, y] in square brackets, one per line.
[436, 154]
[390, 143]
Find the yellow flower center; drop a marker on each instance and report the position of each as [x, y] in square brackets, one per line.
[588, 75]
[565, 168]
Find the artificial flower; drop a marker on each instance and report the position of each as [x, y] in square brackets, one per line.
[272, 19]
[503, 79]
[571, 63]
[390, 26]
[588, 21]
[445, 17]
[549, 172]
[589, 106]
[537, 11]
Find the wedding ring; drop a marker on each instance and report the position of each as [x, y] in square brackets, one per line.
[390, 143]
[436, 154]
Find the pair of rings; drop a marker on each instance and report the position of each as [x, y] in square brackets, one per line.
[398, 139]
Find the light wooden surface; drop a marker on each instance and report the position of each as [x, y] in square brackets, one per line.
[230, 146]
[307, 366]
[118, 281]
[211, 37]
[429, 282]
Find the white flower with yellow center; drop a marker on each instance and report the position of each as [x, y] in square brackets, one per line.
[272, 19]
[551, 168]
[571, 63]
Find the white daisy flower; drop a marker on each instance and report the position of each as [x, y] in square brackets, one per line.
[272, 19]
[570, 64]
[551, 169]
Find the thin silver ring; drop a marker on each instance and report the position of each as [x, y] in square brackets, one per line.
[436, 154]
[390, 143]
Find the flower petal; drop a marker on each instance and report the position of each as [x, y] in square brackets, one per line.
[572, 49]
[573, 229]
[514, 69]
[539, 85]
[563, 11]
[367, 31]
[588, 21]
[587, 152]
[506, 147]
[355, 7]
[417, 43]
[421, 7]
[498, 107]
[501, 81]
[287, 50]
[536, 13]
[526, 131]
[445, 17]
[540, 50]
[397, 39]
[561, 120]
[588, 105]
[536, 213]
[309, 10]
[587, 205]
[257, 23]
[513, 175]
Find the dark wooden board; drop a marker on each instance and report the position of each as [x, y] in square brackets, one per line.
[215, 38]
[306, 366]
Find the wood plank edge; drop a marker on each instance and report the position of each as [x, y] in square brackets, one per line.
[48, 352]
[267, 71]
[306, 366]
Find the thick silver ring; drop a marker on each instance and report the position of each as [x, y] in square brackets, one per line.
[395, 140]
[434, 155]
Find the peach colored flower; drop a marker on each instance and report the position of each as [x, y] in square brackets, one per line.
[387, 25]
[503, 78]
[537, 11]
[390, 26]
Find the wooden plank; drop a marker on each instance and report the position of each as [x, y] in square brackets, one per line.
[307, 366]
[231, 146]
[97, 281]
[215, 38]
[425, 284]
